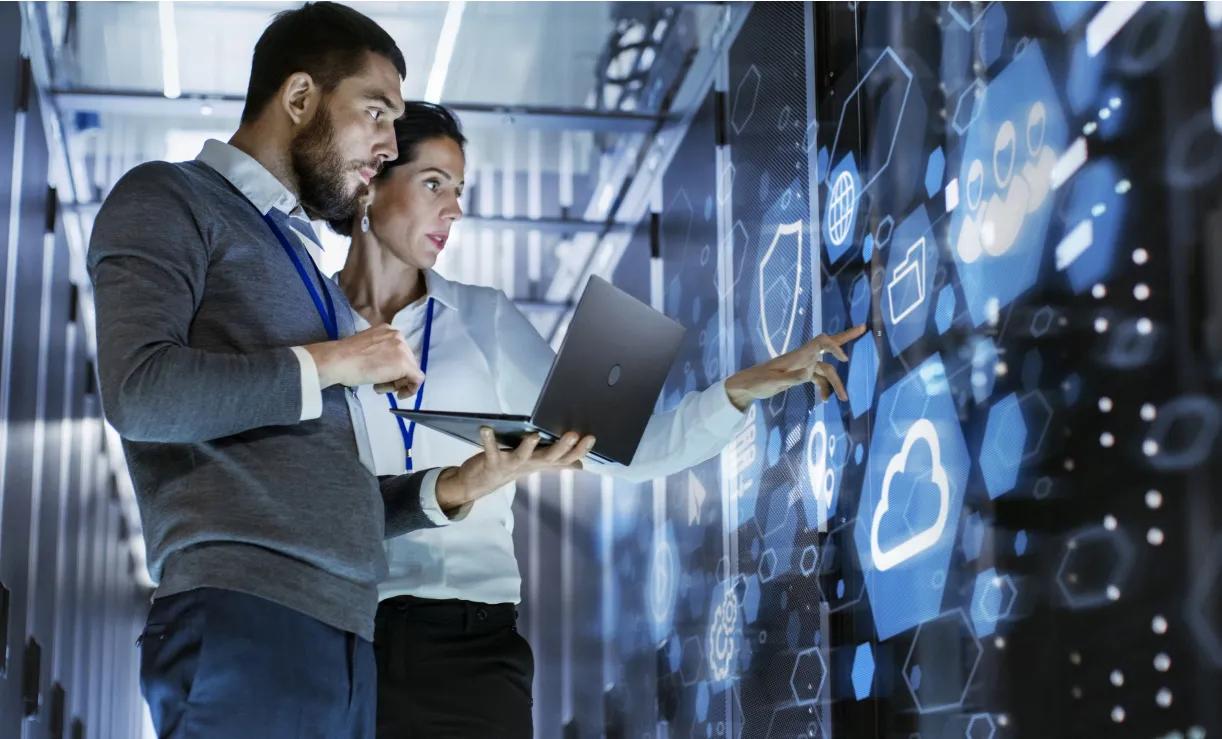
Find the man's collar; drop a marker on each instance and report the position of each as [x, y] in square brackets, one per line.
[250, 177]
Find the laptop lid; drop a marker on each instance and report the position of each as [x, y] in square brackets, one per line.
[610, 370]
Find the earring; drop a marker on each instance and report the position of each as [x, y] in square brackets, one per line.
[365, 221]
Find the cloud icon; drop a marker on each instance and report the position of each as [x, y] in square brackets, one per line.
[885, 559]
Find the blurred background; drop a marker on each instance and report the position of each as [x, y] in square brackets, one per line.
[1020, 199]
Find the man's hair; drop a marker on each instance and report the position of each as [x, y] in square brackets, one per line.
[420, 122]
[327, 41]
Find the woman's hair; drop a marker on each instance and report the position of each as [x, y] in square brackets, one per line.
[420, 122]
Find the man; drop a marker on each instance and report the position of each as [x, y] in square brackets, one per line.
[226, 360]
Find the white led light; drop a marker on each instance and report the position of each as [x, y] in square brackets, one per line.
[1163, 698]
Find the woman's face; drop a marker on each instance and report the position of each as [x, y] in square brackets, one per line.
[415, 205]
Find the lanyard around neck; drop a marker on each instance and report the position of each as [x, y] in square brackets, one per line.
[408, 430]
[326, 311]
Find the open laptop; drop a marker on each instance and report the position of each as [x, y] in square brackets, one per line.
[605, 381]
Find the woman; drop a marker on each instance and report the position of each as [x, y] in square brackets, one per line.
[450, 662]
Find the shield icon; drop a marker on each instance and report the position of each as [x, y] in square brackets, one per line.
[780, 281]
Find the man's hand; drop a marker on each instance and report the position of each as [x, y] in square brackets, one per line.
[803, 364]
[377, 356]
[494, 468]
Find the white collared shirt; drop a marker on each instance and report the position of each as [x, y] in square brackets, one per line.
[266, 192]
[486, 356]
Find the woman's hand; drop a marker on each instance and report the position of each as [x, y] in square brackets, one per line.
[493, 468]
[803, 364]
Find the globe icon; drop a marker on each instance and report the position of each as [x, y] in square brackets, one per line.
[840, 208]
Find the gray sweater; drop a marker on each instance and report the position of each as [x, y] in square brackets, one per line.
[197, 305]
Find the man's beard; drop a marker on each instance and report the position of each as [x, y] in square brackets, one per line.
[322, 176]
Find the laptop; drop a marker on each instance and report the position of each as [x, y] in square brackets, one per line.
[604, 381]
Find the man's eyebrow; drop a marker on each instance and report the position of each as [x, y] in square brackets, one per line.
[387, 102]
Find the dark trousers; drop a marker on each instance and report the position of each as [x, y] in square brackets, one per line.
[451, 669]
[218, 663]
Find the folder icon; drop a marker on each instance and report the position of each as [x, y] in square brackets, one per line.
[906, 290]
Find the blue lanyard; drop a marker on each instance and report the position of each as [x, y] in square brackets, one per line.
[408, 431]
[325, 312]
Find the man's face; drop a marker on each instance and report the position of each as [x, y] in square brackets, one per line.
[347, 140]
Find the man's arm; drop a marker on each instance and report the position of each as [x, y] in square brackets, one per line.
[148, 261]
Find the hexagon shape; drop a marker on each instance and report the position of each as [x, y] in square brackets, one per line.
[968, 107]
[1001, 453]
[944, 313]
[922, 445]
[863, 374]
[863, 671]
[745, 98]
[993, 35]
[887, 63]
[1093, 560]
[691, 660]
[1037, 413]
[935, 168]
[907, 289]
[942, 662]
[992, 600]
[980, 726]
[827, 453]
[997, 233]
[809, 674]
[840, 213]
[810, 560]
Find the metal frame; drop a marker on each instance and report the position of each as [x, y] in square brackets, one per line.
[151, 103]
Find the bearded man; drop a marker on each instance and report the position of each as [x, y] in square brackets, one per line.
[227, 362]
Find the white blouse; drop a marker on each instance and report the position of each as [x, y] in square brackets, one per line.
[486, 356]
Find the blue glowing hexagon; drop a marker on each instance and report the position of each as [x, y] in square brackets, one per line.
[993, 34]
[922, 440]
[1094, 216]
[944, 312]
[840, 215]
[992, 600]
[827, 452]
[863, 374]
[863, 671]
[980, 726]
[859, 300]
[867, 248]
[968, 107]
[907, 289]
[1005, 437]
[934, 169]
[998, 232]
[702, 701]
